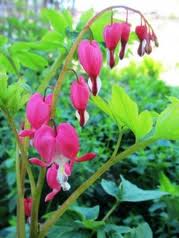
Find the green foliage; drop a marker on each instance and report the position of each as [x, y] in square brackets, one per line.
[13, 96]
[142, 231]
[167, 122]
[124, 111]
[128, 192]
[167, 186]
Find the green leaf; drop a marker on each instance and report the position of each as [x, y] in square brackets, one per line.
[167, 186]
[52, 37]
[167, 126]
[101, 233]
[3, 40]
[84, 18]
[5, 64]
[110, 188]
[88, 213]
[144, 124]
[3, 88]
[124, 108]
[98, 26]
[93, 225]
[100, 103]
[142, 231]
[31, 60]
[131, 193]
[56, 19]
[117, 229]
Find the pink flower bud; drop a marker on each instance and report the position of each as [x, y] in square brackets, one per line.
[90, 58]
[124, 38]
[38, 110]
[141, 32]
[80, 97]
[112, 36]
[52, 182]
[28, 206]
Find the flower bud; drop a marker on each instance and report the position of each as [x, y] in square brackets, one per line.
[112, 36]
[79, 98]
[90, 58]
[124, 38]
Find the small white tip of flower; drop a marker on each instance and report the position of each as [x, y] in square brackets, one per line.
[66, 186]
[86, 116]
[98, 80]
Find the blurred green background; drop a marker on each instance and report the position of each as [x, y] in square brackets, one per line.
[34, 37]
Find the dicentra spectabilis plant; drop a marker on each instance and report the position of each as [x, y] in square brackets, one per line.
[57, 146]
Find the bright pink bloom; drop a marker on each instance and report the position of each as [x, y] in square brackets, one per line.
[80, 97]
[52, 182]
[141, 32]
[59, 146]
[124, 38]
[28, 206]
[38, 110]
[38, 113]
[112, 36]
[90, 58]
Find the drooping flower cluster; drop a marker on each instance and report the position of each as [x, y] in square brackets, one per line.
[58, 147]
[90, 57]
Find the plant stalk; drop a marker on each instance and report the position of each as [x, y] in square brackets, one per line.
[34, 227]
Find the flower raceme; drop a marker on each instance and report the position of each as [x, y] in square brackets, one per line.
[90, 57]
[79, 97]
[58, 146]
[38, 113]
[112, 36]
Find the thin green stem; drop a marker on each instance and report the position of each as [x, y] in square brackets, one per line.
[113, 208]
[20, 200]
[35, 204]
[75, 195]
[21, 148]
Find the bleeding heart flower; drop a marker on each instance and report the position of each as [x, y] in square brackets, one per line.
[124, 38]
[38, 113]
[52, 182]
[28, 206]
[80, 97]
[112, 36]
[141, 32]
[90, 58]
[59, 146]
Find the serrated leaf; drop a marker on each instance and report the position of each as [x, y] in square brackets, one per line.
[110, 188]
[131, 193]
[167, 126]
